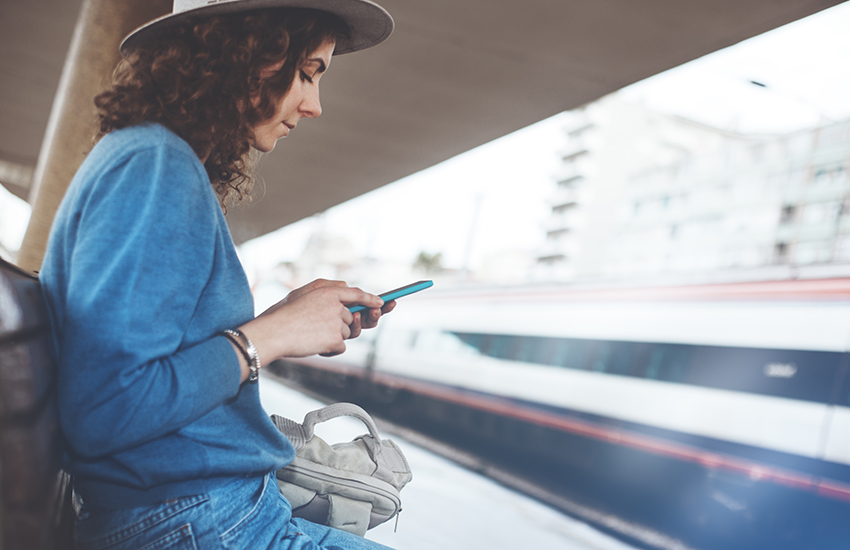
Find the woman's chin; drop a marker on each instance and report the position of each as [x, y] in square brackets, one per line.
[264, 147]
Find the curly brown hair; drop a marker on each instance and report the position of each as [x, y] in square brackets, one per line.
[202, 81]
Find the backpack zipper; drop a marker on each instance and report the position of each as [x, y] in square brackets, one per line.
[354, 484]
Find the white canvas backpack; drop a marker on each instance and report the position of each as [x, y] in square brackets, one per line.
[352, 486]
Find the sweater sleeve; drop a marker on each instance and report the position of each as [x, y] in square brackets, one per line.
[143, 253]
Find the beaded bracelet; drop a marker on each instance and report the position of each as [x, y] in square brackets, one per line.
[249, 351]
[238, 344]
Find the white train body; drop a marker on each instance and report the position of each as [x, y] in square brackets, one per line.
[745, 378]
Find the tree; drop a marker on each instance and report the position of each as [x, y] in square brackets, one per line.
[429, 263]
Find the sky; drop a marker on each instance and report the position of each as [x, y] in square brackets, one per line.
[493, 199]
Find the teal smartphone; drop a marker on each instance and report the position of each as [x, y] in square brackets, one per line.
[397, 293]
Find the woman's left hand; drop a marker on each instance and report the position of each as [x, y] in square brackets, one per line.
[368, 318]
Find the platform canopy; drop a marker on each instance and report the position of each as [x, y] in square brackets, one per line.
[454, 75]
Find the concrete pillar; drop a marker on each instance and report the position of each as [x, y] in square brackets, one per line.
[92, 56]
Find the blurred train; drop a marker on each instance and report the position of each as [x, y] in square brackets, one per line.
[740, 390]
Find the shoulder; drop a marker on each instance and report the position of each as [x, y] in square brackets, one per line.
[143, 138]
[139, 175]
[145, 156]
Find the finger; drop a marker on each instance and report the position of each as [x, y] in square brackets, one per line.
[315, 285]
[353, 296]
[355, 327]
[370, 318]
[319, 283]
[347, 316]
[388, 307]
[335, 351]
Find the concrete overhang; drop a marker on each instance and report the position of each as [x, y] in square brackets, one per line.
[454, 75]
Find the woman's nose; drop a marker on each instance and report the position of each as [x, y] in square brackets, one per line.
[311, 106]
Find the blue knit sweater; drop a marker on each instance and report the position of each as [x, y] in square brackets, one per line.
[140, 277]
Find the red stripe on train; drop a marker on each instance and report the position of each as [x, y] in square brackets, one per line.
[711, 460]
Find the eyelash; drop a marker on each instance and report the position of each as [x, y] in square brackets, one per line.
[305, 76]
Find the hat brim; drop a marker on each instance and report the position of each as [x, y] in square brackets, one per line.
[369, 24]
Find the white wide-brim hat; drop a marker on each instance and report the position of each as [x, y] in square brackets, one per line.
[368, 23]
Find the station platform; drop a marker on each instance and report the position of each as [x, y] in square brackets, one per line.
[446, 506]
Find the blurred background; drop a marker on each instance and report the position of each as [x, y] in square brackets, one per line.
[641, 303]
[727, 167]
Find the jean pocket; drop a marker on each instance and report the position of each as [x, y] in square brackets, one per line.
[256, 521]
[180, 539]
[138, 527]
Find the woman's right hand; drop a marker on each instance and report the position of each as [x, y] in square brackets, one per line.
[313, 319]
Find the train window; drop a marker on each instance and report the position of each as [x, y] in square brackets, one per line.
[502, 347]
[843, 386]
[795, 374]
[668, 362]
[525, 349]
[499, 346]
[452, 343]
[535, 349]
[601, 353]
[613, 357]
[571, 354]
[561, 353]
[474, 341]
[545, 350]
[622, 357]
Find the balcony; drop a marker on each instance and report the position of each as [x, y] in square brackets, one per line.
[564, 197]
[558, 222]
[569, 173]
[574, 154]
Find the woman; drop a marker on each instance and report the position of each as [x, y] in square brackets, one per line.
[157, 343]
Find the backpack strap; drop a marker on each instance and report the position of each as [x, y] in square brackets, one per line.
[300, 434]
[334, 411]
[349, 514]
[292, 430]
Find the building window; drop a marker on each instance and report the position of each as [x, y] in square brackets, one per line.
[780, 252]
[788, 214]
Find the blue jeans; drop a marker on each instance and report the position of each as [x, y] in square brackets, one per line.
[248, 514]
